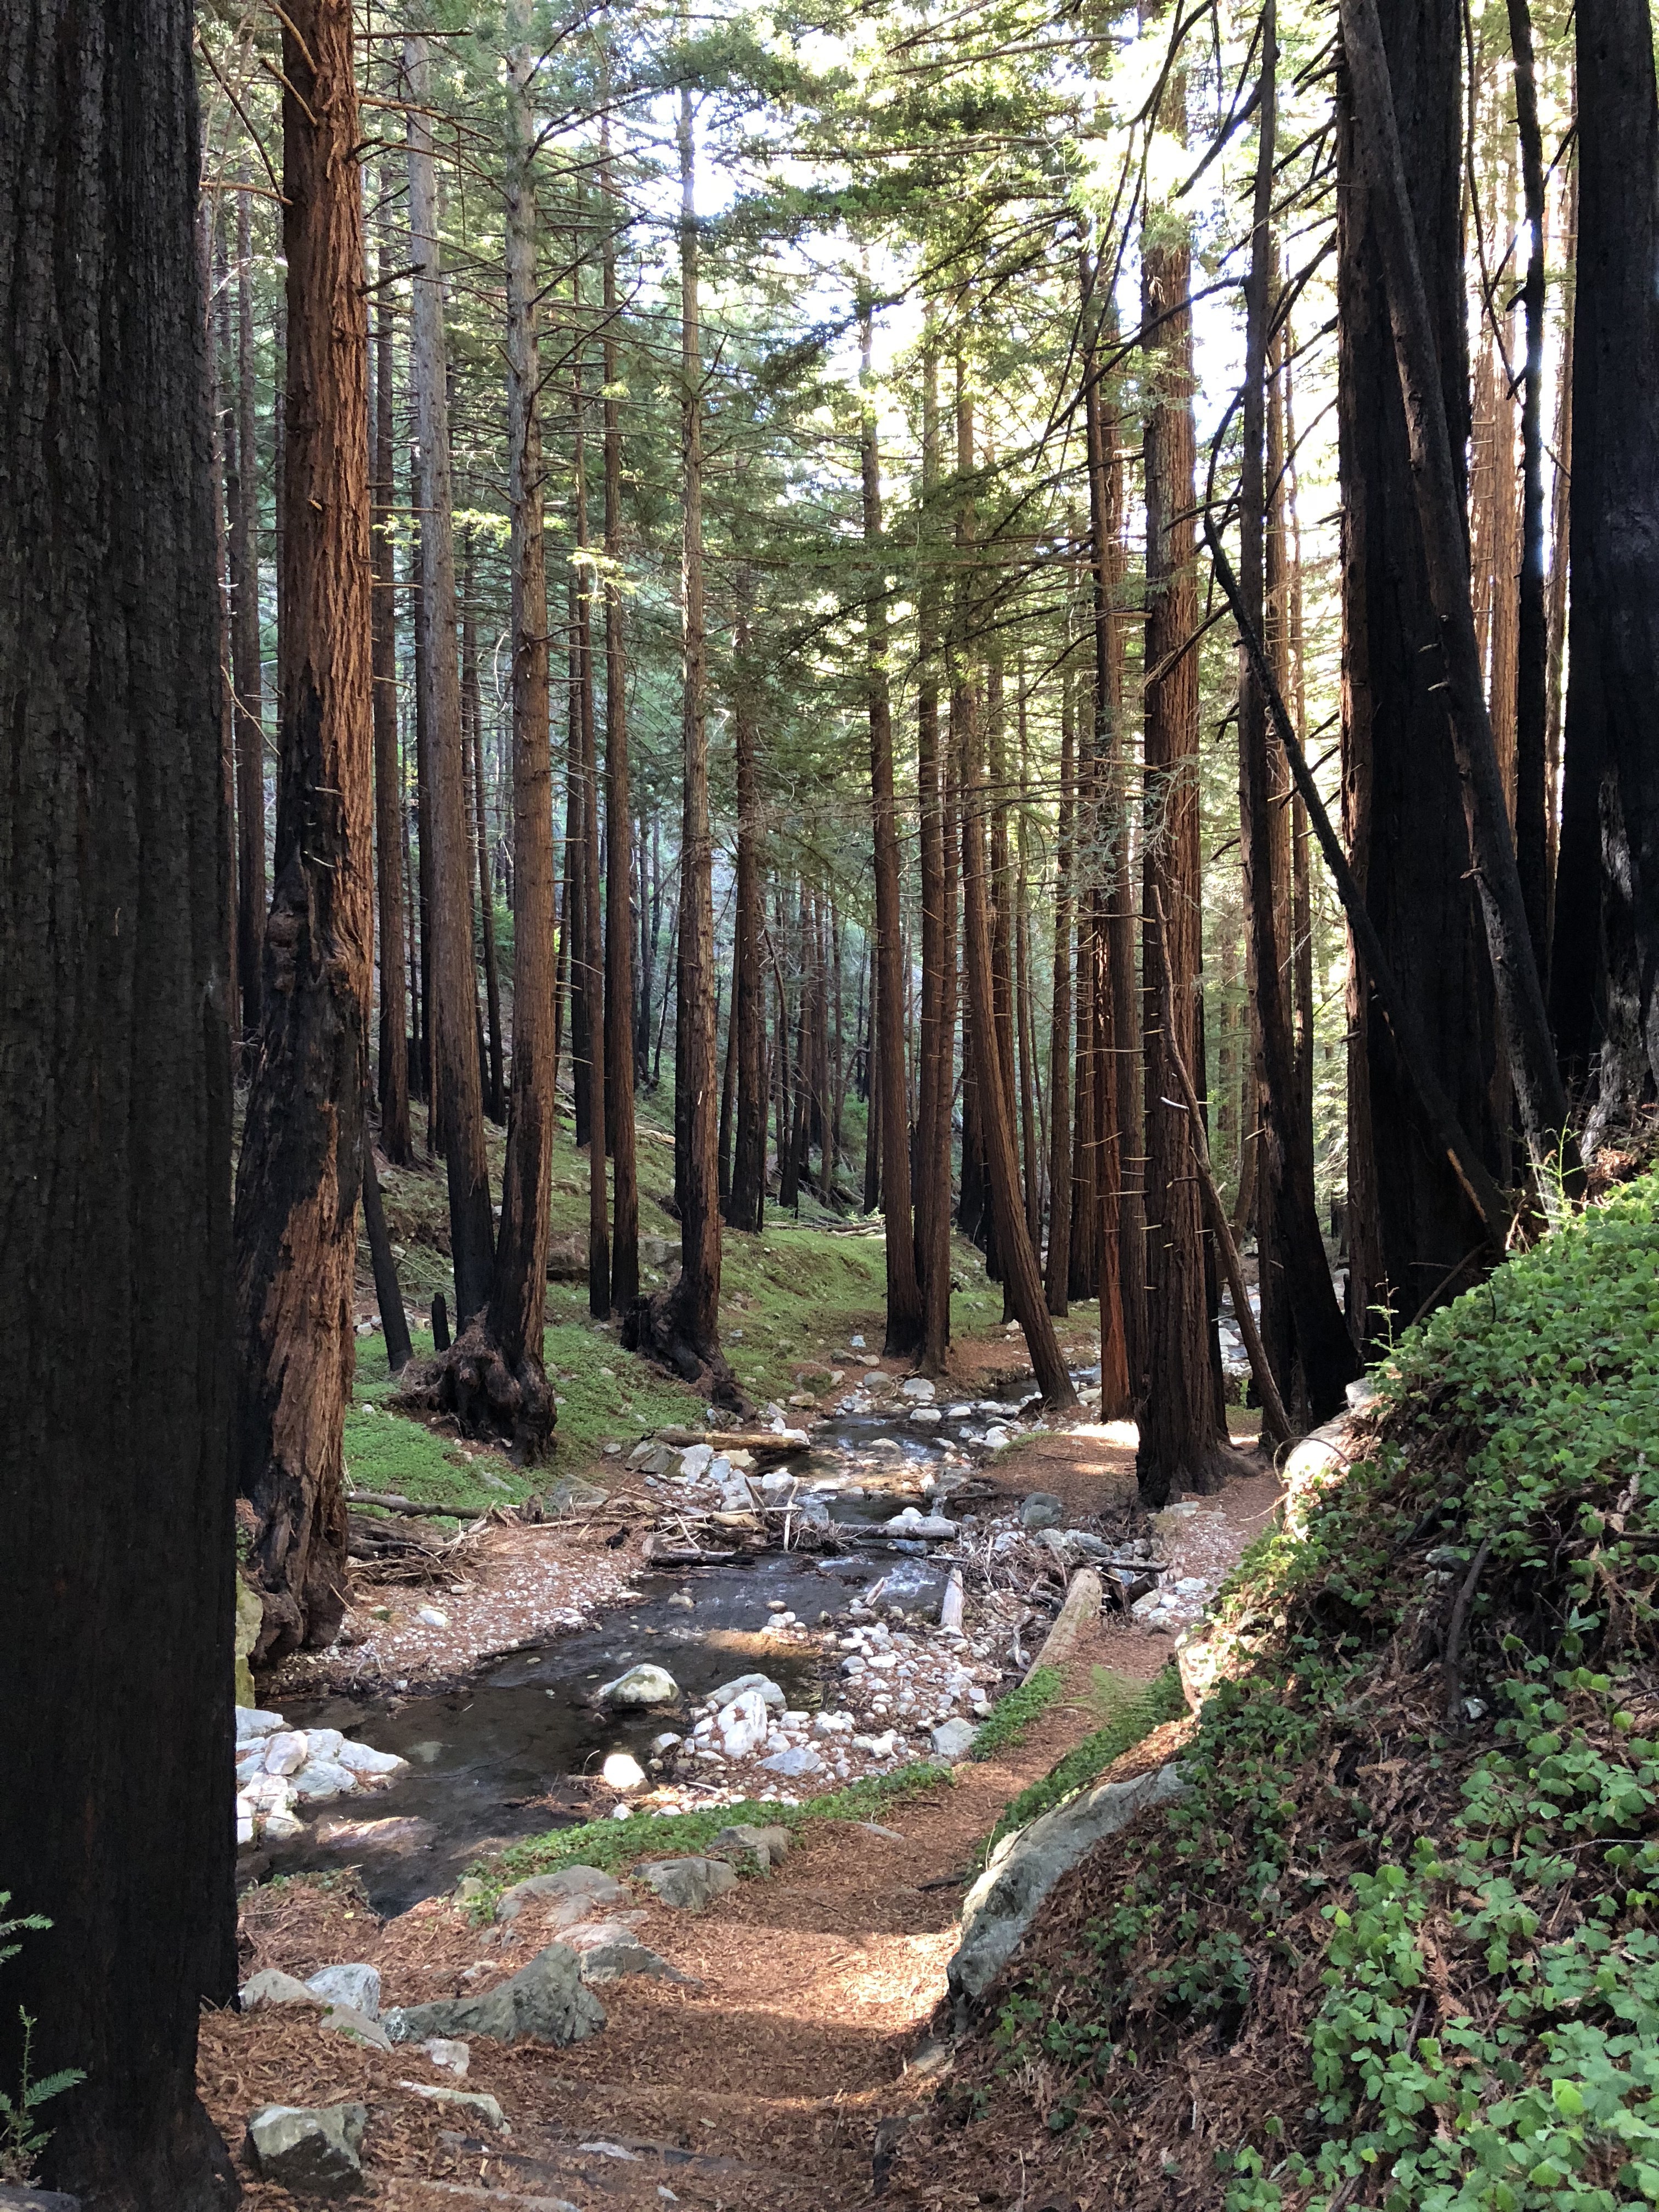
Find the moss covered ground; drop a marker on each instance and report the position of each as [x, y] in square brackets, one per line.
[1399, 1945]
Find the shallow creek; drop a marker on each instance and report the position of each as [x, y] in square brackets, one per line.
[488, 1761]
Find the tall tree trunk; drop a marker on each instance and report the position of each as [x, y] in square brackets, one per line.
[938, 1054]
[1110, 1025]
[1411, 1222]
[518, 1302]
[746, 1204]
[619, 1056]
[1613, 702]
[904, 1314]
[681, 1325]
[1532, 796]
[593, 937]
[472, 749]
[244, 649]
[1055, 1279]
[1436, 485]
[1286, 1167]
[390, 811]
[1179, 1443]
[454, 1029]
[115, 1481]
[1024, 1280]
[426, 835]
[296, 1229]
[574, 912]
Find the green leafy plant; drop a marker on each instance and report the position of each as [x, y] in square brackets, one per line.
[1013, 1717]
[21, 2139]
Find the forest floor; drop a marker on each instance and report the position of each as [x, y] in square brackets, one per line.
[780, 2073]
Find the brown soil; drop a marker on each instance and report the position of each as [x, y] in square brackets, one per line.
[782, 2074]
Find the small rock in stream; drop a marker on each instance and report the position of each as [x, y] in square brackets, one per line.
[644, 1685]
[310, 2150]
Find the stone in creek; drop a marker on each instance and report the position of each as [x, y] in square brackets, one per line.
[770, 1846]
[273, 1987]
[919, 1388]
[287, 1752]
[362, 1758]
[404, 1835]
[996, 1437]
[914, 1522]
[743, 1724]
[622, 1770]
[957, 1412]
[688, 1884]
[358, 1986]
[545, 2001]
[320, 1778]
[767, 1689]
[953, 1740]
[924, 1417]
[312, 2150]
[1041, 1509]
[586, 1885]
[645, 1684]
[798, 1759]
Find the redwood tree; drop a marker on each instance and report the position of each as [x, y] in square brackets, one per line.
[295, 1233]
[115, 1480]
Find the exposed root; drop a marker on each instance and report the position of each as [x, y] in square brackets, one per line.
[488, 1399]
[656, 1328]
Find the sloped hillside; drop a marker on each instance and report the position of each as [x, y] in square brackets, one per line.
[1397, 1945]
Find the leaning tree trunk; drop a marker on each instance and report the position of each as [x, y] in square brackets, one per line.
[1615, 513]
[681, 1325]
[115, 1478]
[455, 1074]
[295, 1232]
[904, 1315]
[1180, 1445]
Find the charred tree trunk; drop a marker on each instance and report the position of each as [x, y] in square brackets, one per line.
[247, 674]
[1411, 1221]
[1179, 1443]
[1532, 795]
[389, 813]
[295, 1230]
[593, 937]
[681, 1326]
[472, 749]
[115, 1639]
[426, 836]
[937, 1055]
[619, 1058]
[1615, 503]
[904, 1312]
[457, 1091]
[1056, 1273]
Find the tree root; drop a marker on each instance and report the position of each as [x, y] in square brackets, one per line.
[486, 1398]
[654, 1328]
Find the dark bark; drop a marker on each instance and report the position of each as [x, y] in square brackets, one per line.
[295, 1231]
[746, 1207]
[394, 1325]
[1615, 520]
[939, 933]
[456, 1089]
[1532, 795]
[904, 1311]
[619, 1050]
[115, 1476]
[1411, 1220]
[593, 938]
[1057, 1269]
[1180, 1446]
[425, 835]
[492, 1074]
[1436, 479]
[248, 683]
[390, 811]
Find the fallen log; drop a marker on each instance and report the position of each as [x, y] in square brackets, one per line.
[781, 1443]
[1081, 1611]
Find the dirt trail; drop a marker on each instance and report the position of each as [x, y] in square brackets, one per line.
[777, 2077]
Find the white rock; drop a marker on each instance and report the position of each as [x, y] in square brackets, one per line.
[666, 1742]
[288, 1752]
[695, 1460]
[953, 1740]
[447, 2055]
[269, 1793]
[319, 1778]
[251, 1723]
[272, 1987]
[995, 1437]
[431, 1617]
[768, 1690]
[361, 1758]
[743, 1724]
[795, 1760]
[622, 1770]
[358, 1986]
[644, 1685]
[325, 1743]
[279, 1827]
